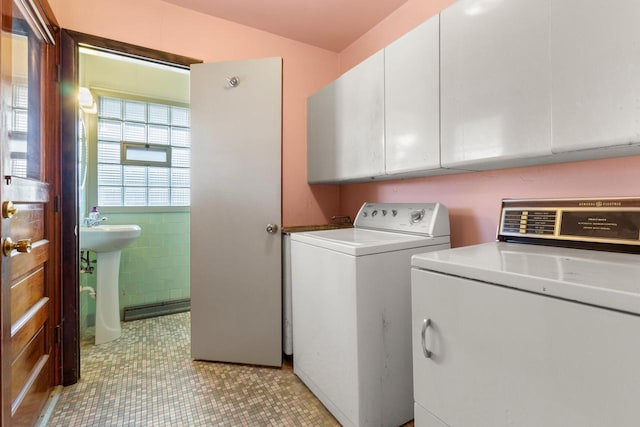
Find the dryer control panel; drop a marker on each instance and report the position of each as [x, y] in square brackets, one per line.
[605, 224]
[430, 219]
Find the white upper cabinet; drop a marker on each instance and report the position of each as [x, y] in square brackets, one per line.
[595, 55]
[487, 84]
[412, 102]
[495, 83]
[380, 119]
[321, 135]
[345, 126]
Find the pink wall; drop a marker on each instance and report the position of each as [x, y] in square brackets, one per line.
[404, 19]
[474, 198]
[163, 26]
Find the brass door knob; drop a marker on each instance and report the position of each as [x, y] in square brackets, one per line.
[8, 209]
[23, 246]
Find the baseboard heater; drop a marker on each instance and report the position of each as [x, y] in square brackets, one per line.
[162, 308]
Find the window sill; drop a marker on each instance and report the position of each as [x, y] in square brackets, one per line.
[143, 209]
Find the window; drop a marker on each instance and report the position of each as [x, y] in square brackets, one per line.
[18, 128]
[124, 123]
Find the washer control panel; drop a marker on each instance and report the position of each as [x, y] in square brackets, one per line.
[416, 218]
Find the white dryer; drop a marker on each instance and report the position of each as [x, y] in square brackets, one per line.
[352, 310]
[541, 328]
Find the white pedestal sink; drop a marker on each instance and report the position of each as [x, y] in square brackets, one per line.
[107, 241]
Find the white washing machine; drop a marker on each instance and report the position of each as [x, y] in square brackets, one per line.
[352, 310]
[541, 328]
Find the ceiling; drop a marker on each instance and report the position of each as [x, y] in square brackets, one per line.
[329, 24]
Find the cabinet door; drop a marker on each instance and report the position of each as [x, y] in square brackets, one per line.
[346, 126]
[321, 136]
[506, 357]
[412, 101]
[495, 83]
[595, 55]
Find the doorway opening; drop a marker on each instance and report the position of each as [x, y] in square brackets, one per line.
[140, 96]
[134, 169]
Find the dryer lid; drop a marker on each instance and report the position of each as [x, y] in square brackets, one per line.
[605, 279]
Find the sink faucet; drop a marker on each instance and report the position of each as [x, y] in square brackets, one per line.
[92, 222]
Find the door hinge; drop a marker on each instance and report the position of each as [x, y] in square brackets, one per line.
[58, 73]
[7, 179]
[57, 334]
[56, 204]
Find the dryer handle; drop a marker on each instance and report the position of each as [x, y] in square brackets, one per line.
[425, 324]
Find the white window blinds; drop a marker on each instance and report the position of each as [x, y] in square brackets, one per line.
[123, 120]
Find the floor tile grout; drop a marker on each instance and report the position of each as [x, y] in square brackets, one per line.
[147, 378]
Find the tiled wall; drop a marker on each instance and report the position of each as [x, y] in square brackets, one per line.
[154, 268]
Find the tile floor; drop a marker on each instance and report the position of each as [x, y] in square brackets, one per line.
[146, 378]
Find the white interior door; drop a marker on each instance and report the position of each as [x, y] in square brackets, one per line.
[236, 312]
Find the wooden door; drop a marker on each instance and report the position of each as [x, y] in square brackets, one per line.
[29, 295]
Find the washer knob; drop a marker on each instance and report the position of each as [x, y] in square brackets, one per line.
[374, 213]
[416, 216]
[394, 212]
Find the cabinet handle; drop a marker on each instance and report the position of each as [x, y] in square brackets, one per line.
[425, 324]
